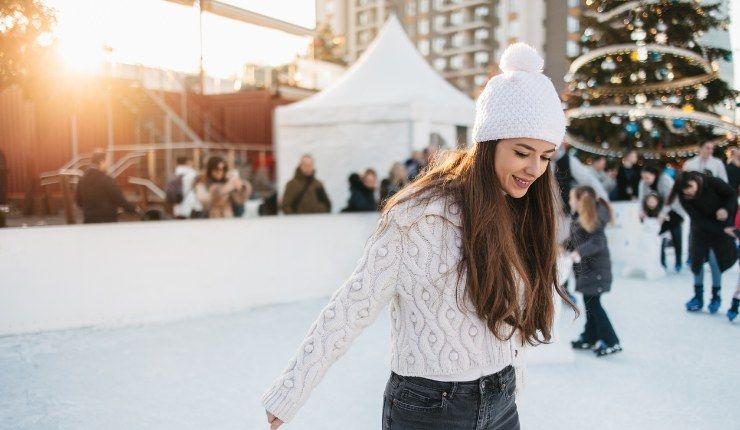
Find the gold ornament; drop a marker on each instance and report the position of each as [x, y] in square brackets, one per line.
[687, 108]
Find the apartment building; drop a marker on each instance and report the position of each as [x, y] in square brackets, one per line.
[462, 39]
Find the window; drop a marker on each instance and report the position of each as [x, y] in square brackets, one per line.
[573, 25]
[411, 8]
[458, 40]
[423, 26]
[439, 44]
[439, 22]
[456, 62]
[363, 18]
[329, 6]
[364, 37]
[481, 58]
[514, 28]
[440, 64]
[423, 47]
[572, 49]
[456, 18]
[423, 6]
[481, 35]
[481, 11]
[480, 80]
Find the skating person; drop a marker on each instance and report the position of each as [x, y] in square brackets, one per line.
[466, 256]
[671, 216]
[710, 203]
[593, 268]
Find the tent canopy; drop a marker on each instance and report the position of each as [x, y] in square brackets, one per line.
[390, 80]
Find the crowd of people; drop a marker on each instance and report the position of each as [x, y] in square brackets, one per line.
[702, 193]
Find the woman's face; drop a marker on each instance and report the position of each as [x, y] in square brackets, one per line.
[691, 188]
[519, 162]
[652, 202]
[219, 172]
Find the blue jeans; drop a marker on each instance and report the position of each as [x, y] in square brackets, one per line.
[716, 274]
[411, 402]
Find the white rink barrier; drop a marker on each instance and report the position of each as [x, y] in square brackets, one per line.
[128, 273]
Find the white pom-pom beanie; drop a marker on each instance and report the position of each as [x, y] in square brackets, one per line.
[519, 102]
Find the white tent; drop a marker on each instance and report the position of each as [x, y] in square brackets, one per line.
[387, 104]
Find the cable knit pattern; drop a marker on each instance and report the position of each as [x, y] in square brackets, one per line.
[410, 261]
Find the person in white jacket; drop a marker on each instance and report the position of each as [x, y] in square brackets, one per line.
[466, 256]
[190, 206]
[706, 163]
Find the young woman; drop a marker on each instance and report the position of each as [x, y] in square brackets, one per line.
[711, 204]
[593, 268]
[466, 256]
[217, 192]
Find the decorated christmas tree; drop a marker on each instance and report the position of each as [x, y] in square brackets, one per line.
[645, 80]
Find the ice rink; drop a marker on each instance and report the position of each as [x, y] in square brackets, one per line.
[678, 371]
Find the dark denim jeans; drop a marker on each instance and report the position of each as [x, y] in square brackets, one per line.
[425, 404]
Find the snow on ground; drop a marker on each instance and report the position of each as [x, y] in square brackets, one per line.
[678, 371]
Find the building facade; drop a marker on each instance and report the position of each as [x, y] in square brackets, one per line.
[461, 39]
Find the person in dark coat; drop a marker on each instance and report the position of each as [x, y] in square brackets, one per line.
[362, 192]
[628, 178]
[304, 194]
[711, 204]
[98, 194]
[592, 268]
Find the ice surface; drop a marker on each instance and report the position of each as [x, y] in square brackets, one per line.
[678, 371]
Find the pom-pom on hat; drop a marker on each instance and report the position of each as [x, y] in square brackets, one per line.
[519, 102]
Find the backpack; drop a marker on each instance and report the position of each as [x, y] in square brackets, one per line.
[173, 190]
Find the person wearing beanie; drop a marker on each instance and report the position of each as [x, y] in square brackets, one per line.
[466, 257]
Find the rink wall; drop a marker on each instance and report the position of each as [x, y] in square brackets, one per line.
[118, 274]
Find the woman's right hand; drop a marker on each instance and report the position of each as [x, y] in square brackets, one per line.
[274, 421]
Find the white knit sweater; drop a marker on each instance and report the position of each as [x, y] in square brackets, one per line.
[410, 261]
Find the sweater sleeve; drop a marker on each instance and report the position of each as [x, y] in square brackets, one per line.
[354, 306]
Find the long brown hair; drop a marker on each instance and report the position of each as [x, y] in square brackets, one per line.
[588, 217]
[506, 241]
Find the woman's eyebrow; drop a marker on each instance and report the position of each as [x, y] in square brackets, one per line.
[532, 149]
